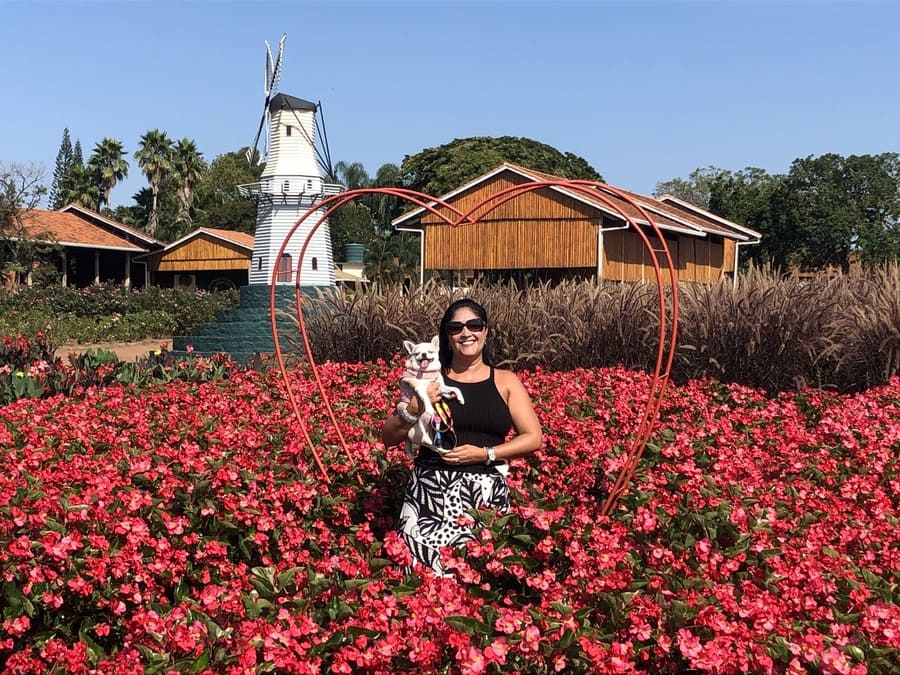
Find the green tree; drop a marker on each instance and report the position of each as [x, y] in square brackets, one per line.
[389, 258]
[82, 187]
[188, 170]
[219, 203]
[155, 159]
[108, 161]
[21, 190]
[436, 171]
[841, 205]
[65, 158]
[696, 188]
[756, 199]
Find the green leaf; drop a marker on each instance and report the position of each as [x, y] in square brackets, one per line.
[467, 624]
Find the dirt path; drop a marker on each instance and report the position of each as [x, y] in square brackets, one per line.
[126, 351]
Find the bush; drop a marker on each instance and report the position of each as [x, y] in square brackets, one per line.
[107, 312]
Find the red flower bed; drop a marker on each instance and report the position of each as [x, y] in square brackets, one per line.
[182, 527]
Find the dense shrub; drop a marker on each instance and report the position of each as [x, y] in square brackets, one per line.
[769, 332]
[29, 369]
[107, 312]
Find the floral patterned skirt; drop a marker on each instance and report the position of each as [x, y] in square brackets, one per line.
[434, 501]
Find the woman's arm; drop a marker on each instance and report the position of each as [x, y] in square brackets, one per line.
[529, 435]
[395, 427]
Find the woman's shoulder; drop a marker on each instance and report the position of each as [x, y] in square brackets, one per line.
[506, 378]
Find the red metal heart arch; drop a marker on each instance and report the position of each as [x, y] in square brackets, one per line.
[609, 196]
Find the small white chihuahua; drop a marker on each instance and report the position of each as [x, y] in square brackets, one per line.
[423, 366]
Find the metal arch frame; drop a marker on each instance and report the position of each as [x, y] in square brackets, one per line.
[668, 331]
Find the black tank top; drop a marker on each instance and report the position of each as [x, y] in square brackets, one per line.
[483, 420]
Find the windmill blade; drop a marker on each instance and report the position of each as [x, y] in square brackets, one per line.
[275, 73]
[262, 123]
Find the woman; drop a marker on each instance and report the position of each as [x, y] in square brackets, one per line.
[472, 471]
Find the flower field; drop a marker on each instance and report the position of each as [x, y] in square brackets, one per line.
[182, 527]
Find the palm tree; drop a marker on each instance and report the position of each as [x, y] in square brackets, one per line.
[81, 186]
[108, 161]
[155, 159]
[188, 168]
[353, 175]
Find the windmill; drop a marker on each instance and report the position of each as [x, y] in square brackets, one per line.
[273, 74]
[291, 185]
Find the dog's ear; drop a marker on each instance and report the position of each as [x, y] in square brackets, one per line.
[436, 341]
[409, 345]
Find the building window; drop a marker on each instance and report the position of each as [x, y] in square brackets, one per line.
[315, 264]
[259, 264]
[285, 268]
[288, 132]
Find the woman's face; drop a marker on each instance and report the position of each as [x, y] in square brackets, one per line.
[467, 342]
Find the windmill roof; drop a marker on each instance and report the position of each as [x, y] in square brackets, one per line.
[280, 101]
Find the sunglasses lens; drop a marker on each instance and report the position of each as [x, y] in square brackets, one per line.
[474, 326]
[448, 440]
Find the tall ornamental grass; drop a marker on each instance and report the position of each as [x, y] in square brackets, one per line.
[770, 332]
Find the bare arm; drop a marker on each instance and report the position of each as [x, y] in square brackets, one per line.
[395, 427]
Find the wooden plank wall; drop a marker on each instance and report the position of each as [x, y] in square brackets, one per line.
[625, 258]
[544, 229]
[511, 236]
[203, 253]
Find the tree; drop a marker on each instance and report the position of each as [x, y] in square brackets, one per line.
[188, 170]
[108, 161]
[352, 176]
[155, 159]
[65, 158]
[219, 203]
[755, 199]
[82, 187]
[843, 205]
[389, 258]
[436, 171]
[696, 189]
[21, 190]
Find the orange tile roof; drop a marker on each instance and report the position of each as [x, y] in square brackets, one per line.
[240, 238]
[140, 234]
[68, 229]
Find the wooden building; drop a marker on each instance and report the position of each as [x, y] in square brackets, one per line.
[206, 259]
[92, 248]
[555, 233]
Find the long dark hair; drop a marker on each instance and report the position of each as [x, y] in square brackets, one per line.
[445, 352]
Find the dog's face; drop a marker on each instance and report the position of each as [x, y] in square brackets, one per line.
[423, 357]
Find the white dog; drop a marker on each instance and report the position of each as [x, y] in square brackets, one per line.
[423, 366]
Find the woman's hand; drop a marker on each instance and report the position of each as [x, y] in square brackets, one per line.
[416, 407]
[465, 454]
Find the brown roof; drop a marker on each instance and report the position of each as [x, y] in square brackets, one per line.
[97, 217]
[667, 216]
[68, 229]
[239, 238]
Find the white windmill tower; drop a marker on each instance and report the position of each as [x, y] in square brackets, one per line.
[291, 185]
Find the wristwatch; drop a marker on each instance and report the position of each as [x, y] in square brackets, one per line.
[491, 455]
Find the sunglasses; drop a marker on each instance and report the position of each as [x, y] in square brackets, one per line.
[474, 326]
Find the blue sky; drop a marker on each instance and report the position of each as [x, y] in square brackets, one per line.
[644, 91]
